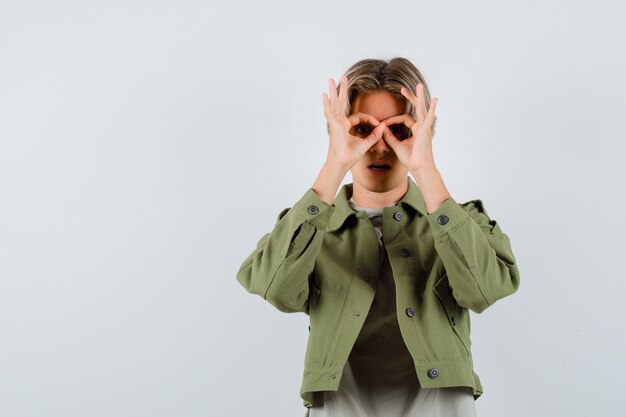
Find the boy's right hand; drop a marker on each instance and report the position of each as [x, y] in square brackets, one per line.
[345, 149]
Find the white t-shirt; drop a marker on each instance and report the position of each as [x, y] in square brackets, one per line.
[379, 377]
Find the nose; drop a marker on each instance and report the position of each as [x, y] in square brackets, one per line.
[380, 146]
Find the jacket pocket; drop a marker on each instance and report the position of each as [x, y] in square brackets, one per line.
[458, 317]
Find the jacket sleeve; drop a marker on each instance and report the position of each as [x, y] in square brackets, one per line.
[280, 267]
[476, 254]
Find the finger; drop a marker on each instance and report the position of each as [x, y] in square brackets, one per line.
[332, 90]
[412, 98]
[343, 94]
[326, 103]
[421, 102]
[375, 136]
[430, 118]
[356, 118]
[405, 119]
[409, 95]
[390, 138]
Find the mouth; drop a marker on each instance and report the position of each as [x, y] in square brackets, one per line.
[380, 168]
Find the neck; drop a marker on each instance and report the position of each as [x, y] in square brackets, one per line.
[372, 199]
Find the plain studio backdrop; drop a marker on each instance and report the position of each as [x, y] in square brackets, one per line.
[146, 146]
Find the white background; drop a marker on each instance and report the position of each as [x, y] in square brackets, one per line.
[145, 147]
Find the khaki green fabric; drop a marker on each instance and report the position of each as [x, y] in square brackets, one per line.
[323, 260]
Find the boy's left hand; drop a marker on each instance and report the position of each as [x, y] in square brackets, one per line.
[416, 151]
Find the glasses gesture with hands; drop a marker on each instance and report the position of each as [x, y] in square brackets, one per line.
[346, 149]
[415, 151]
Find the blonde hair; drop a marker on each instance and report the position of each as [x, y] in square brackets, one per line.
[371, 75]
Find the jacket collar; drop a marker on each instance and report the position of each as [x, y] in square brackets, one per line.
[342, 210]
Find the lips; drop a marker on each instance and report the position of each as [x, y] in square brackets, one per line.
[379, 167]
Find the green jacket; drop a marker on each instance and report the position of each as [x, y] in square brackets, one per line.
[323, 260]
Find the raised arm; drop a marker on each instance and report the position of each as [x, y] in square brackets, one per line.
[281, 266]
[475, 252]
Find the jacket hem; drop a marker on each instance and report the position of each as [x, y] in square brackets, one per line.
[446, 375]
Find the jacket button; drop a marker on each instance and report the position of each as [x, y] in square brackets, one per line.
[398, 216]
[410, 312]
[443, 219]
[433, 373]
[313, 210]
[405, 252]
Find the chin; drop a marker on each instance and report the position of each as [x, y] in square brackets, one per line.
[379, 184]
[382, 185]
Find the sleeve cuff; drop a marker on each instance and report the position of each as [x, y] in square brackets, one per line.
[447, 216]
[313, 209]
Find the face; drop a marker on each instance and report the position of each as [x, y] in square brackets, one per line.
[379, 170]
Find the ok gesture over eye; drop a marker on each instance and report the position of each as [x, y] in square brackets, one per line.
[346, 149]
[416, 151]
